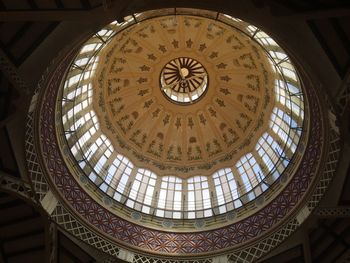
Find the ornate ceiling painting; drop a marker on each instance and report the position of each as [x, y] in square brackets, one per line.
[186, 135]
[186, 139]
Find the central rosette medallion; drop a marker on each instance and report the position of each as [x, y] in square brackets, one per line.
[184, 80]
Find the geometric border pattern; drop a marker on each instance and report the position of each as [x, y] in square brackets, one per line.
[60, 215]
[165, 242]
[210, 241]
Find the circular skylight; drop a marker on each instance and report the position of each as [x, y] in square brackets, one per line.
[158, 157]
[183, 80]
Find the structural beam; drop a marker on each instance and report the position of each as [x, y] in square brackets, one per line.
[318, 14]
[333, 212]
[51, 244]
[307, 248]
[99, 13]
[3, 258]
[25, 251]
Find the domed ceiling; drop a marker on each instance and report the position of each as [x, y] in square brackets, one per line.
[178, 132]
[182, 116]
[183, 95]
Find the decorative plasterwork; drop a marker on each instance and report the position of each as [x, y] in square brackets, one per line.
[103, 167]
[153, 241]
[244, 241]
[177, 139]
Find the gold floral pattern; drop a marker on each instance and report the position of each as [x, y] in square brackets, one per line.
[197, 137]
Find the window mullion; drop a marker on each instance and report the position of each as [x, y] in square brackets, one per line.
[128, 186]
